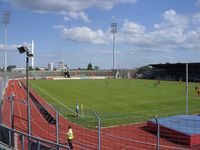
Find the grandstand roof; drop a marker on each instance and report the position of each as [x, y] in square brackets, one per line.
[177, 65]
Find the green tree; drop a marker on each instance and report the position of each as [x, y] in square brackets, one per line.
[96, 67]
[37, 69]
[89, 67]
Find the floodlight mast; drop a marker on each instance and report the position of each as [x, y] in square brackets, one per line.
[24, 49]
[113, 31]
[186, 109]
[5, 22]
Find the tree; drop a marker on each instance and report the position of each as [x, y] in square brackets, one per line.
[96, 67]
[37, 69]
[89, 67]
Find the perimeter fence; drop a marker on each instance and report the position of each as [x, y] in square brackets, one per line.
[110, 131]
[140, 131]
[92, 130]
[14, 139]
[13, 117]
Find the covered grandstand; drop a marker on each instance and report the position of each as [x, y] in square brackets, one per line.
[174, 72]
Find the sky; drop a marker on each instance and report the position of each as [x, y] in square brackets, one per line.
[78, 32]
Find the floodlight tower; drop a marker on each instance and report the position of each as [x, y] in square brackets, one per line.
[113, 31]
[5, 22]
[186, 111]
[21, 50]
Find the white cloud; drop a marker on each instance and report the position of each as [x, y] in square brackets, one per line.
[27, 45]
[174, 32]
[66, 5]
[9, 47]
[66, 18]
[84, 34]
[172, 19]
[198, 3]
[77, 15]
[84, 17]
[132, 33]
[74, 14]
[69, 8]
[132, 27]
[196, 18]
[12, 48]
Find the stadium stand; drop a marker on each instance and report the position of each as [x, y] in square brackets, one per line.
[173, 72]
[43, 111]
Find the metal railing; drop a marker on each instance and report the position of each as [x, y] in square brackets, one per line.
[18, 140]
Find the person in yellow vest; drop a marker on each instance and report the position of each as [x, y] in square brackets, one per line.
[19, 84]
[70, 137]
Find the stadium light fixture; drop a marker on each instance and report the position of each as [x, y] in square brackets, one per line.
[24, 49]
[113, 31]
[5, 21]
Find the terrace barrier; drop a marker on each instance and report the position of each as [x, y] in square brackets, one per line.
[25, 139]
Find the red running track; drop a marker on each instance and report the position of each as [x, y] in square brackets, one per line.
[129, 137]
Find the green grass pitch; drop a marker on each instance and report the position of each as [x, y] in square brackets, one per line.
[118, 101]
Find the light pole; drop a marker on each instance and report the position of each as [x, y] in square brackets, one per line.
[113, 31]
[186, 111]
[24, 49]
[5, 22]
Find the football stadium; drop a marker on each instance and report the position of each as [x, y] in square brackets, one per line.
[114, 112]
[99, 75]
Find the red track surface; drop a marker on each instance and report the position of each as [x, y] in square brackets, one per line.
[129, 137]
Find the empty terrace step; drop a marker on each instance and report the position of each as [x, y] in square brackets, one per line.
[48, 117]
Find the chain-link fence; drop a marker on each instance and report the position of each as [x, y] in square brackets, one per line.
[134, 131]
[92, 130]
[15, 139]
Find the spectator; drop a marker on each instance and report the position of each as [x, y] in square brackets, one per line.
[19, 84]
[70, 137]
[77, 110]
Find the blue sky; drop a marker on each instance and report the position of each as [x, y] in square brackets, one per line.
[78, 32]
